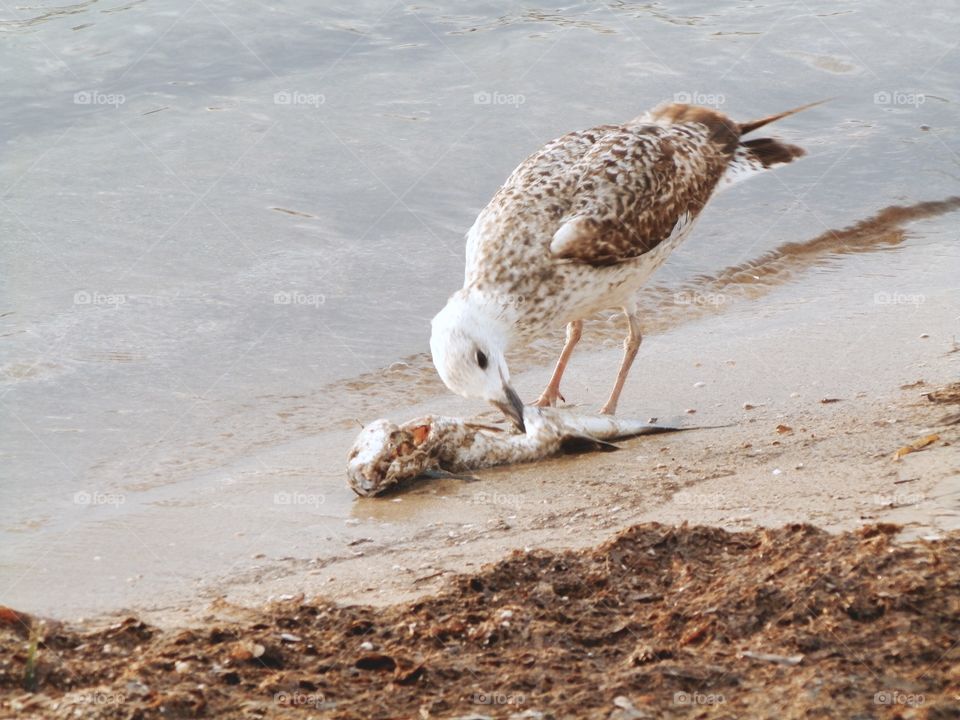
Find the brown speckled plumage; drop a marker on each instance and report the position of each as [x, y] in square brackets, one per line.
[613, 201]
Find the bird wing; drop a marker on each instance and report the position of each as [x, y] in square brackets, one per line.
[614, 192]
[642, 184]
[528, 207]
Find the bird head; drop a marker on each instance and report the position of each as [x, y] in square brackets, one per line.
[467, 342]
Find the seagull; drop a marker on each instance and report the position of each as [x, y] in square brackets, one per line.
[576, 229]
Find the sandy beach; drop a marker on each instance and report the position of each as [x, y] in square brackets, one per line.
[811, 444]
[656, 622]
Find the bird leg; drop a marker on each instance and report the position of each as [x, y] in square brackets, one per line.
[548, 398]
[630, 347]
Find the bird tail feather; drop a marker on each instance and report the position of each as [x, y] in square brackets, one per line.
[750, 126]
[755, 156]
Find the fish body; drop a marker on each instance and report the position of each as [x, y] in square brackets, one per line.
[385, 454]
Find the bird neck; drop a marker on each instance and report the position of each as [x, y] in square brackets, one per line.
[496, 313]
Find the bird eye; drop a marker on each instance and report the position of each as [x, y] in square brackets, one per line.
[481, 360]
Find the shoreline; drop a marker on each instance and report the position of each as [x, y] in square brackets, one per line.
[224, 533]
[788, 458]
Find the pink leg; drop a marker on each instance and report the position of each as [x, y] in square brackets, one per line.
[548, 398]
[630, 347]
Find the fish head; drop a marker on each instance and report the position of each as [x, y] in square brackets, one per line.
[385, 453]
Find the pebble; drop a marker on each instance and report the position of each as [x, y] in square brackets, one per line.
[924, 336]
[690, 411]
[135, 687]
[699, 384]
[777, 471]
[366, 645]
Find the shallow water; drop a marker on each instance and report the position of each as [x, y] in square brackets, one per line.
[224, 232]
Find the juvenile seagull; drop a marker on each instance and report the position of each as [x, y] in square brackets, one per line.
[576, 229]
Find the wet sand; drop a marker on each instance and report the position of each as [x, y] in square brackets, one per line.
[811, 443]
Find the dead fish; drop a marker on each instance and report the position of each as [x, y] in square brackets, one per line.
[385, 454]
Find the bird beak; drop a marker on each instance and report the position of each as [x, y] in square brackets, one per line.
[512, 407]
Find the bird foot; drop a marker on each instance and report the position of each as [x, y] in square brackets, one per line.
[549, 397]
[608, 409]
